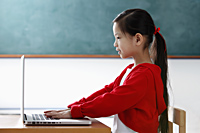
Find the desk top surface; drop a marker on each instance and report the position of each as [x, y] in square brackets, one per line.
[13, 123]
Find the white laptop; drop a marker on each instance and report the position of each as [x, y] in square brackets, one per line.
[40, 119]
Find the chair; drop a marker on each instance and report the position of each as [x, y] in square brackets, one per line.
[177, 116]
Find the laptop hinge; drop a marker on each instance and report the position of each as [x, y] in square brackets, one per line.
[25, 118]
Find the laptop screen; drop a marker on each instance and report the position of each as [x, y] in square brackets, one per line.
[22, 87]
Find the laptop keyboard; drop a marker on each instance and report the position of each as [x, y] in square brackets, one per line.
[40, 117]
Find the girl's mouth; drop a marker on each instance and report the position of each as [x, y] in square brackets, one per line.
[119, 51]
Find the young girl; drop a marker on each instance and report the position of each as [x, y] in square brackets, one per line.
[138, 97]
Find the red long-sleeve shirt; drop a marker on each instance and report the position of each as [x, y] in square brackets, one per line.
[138, 102]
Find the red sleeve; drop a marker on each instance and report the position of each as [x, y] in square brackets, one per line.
[107, 88]
[118, 100]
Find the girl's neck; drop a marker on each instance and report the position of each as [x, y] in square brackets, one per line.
[143, 58]
[136, 63]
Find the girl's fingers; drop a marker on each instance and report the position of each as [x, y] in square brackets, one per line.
[56, 117]
[48, 111]
[62, 114]
[51, 114]
[55, 110]
[51, 111]
[64, 110]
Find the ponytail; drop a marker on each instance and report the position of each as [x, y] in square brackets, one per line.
[159, 48]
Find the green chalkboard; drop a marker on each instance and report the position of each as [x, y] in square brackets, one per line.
[85, 26]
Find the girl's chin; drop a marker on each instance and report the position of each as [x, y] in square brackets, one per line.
[122, 56]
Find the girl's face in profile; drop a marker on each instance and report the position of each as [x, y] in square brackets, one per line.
[124, 43]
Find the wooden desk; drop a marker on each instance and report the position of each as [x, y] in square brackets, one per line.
[13, 124]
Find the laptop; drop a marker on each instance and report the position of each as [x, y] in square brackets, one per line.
[41, 119]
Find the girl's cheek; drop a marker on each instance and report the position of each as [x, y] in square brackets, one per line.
[118, 41]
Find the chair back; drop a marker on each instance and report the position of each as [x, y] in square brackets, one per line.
[177, 116]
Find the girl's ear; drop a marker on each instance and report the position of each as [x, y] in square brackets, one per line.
[139, 39]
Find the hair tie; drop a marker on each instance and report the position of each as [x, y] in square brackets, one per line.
[156, 30]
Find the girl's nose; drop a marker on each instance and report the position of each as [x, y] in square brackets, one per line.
[115, 44]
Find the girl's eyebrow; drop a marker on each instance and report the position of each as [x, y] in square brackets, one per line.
[117, 33]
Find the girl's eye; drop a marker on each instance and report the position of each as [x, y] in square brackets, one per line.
[118, 37]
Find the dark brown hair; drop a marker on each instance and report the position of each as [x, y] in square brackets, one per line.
[134, 21]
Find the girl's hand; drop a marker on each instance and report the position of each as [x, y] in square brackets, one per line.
[60, 114]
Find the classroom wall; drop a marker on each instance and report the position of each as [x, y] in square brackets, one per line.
[85, 26]
[56, 82]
